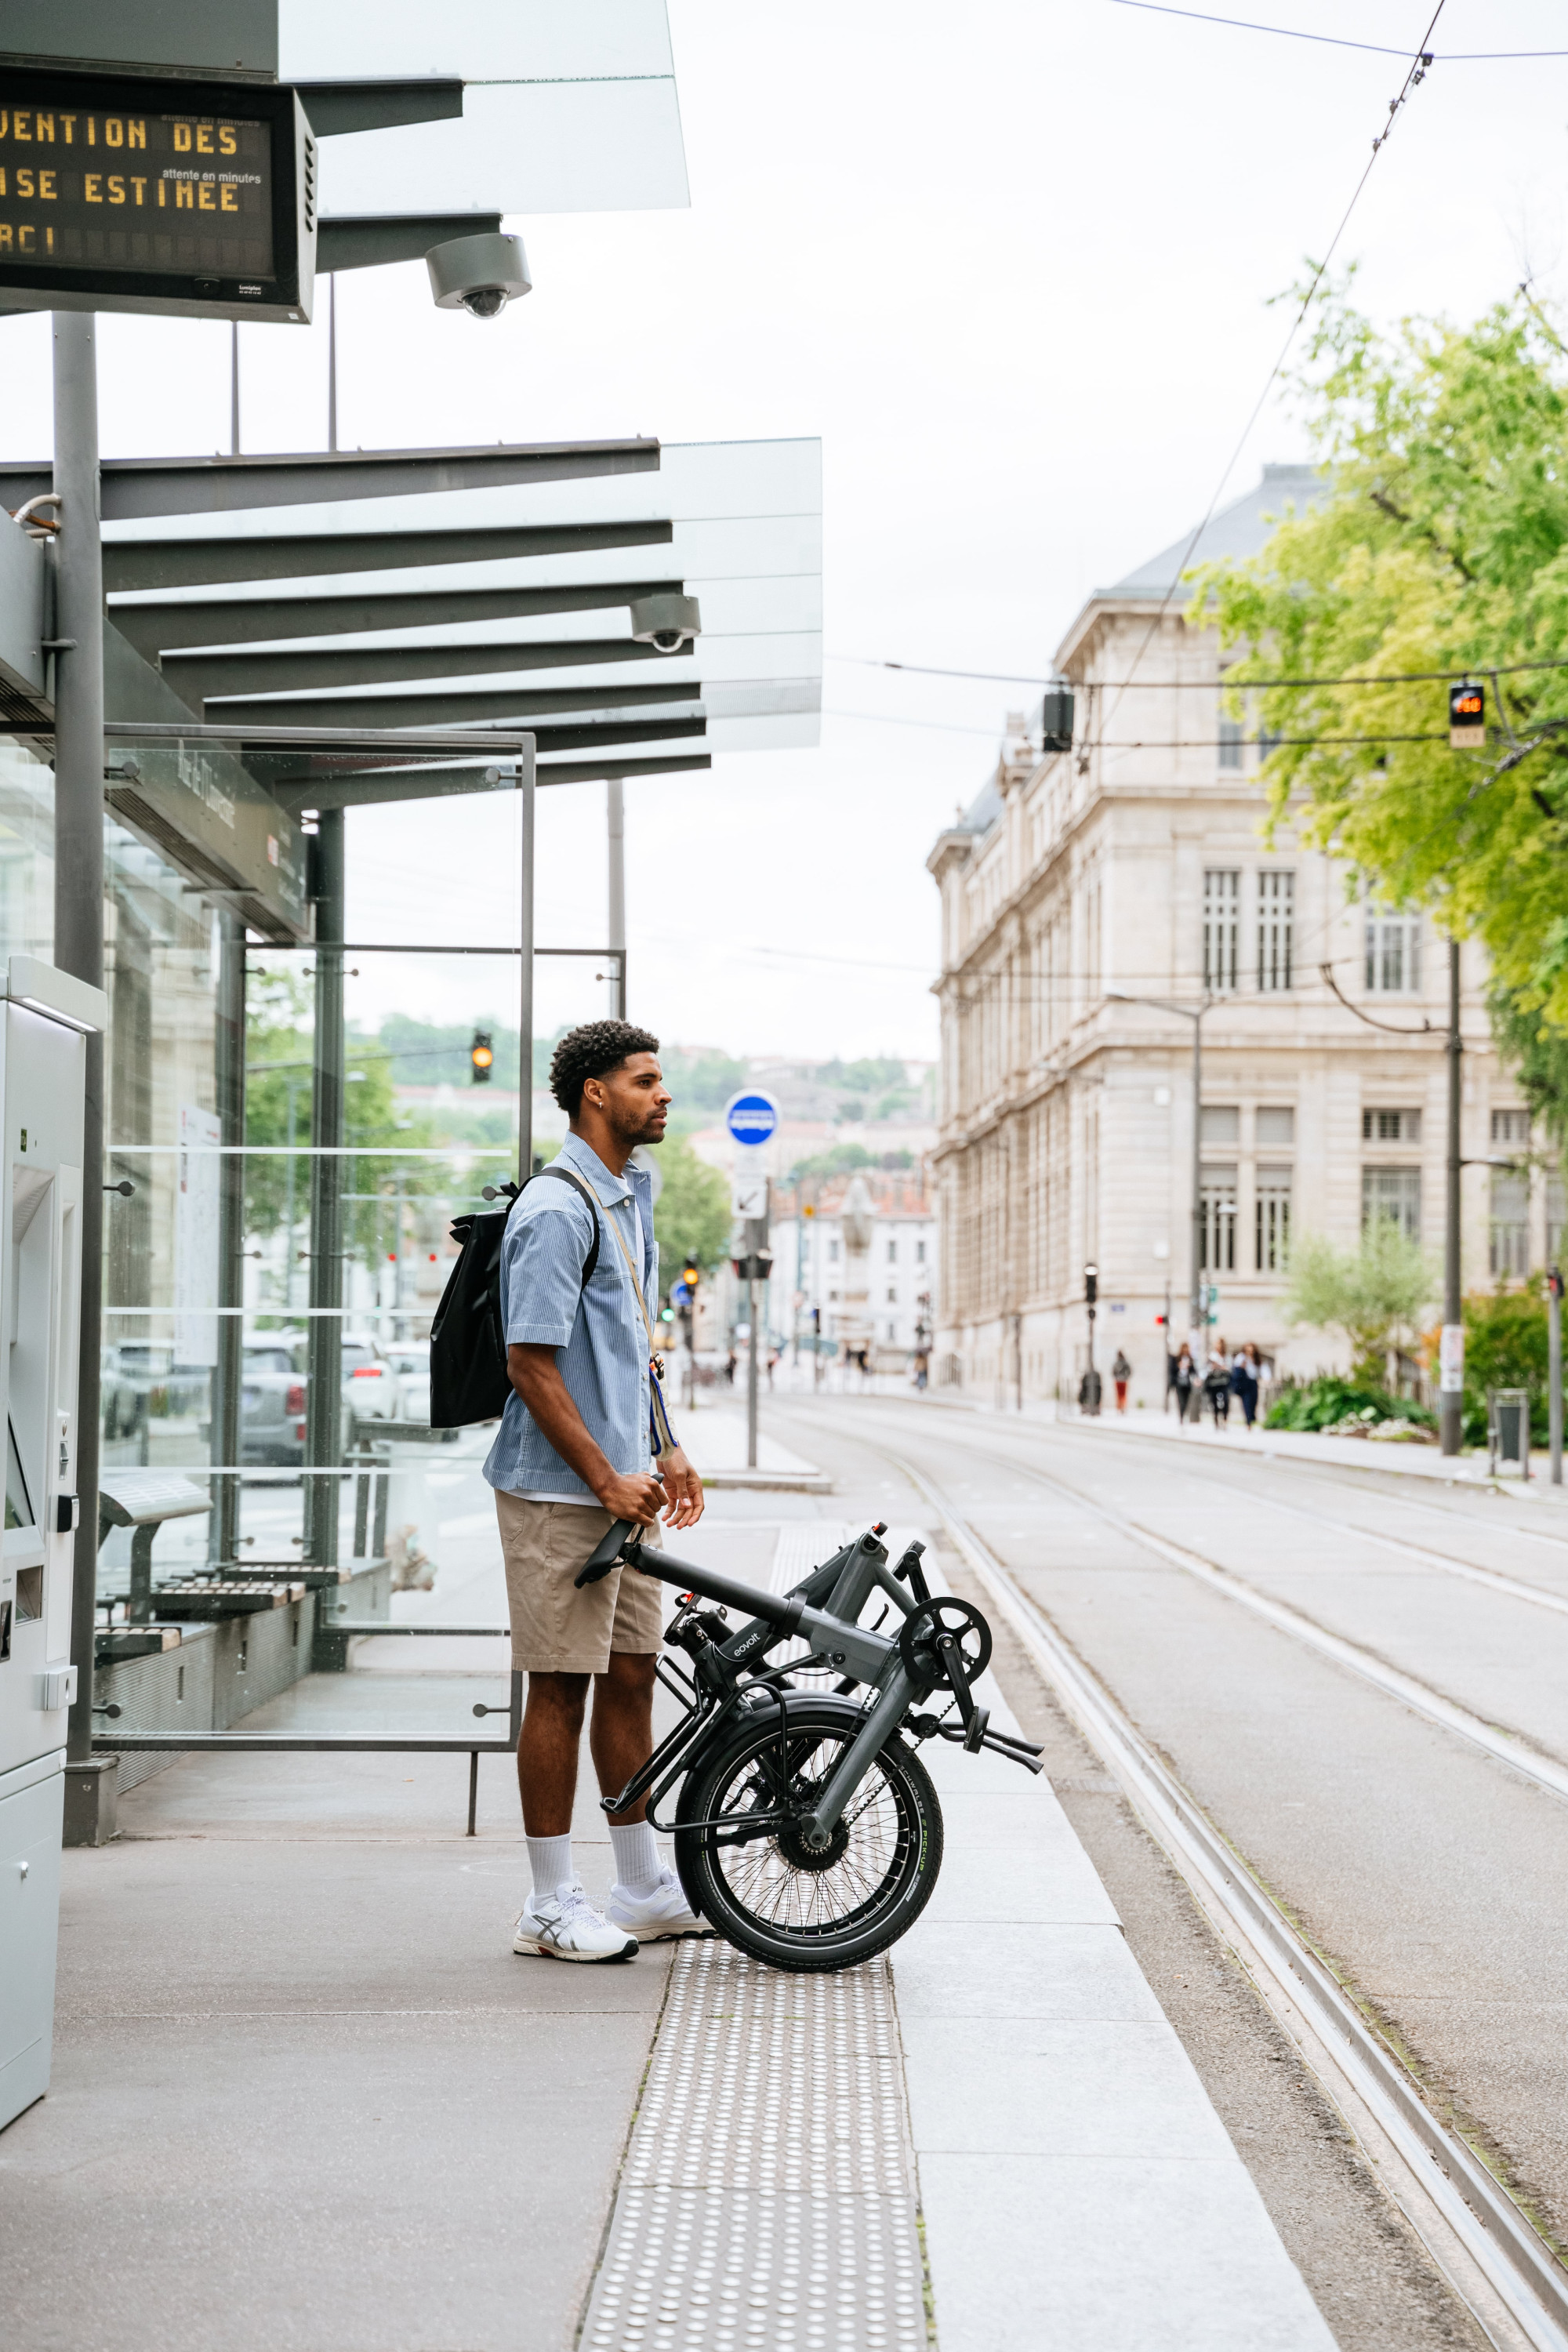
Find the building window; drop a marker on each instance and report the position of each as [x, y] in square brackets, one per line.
[1230, 741]
[1222, 903]
[892, 1333]
[1277, 1125]
[892, 1253]
[1220, 1123]
[1392, 952]
[833, 1253]
[1276, 931]
[1390, 1127]
[892, 1296]
[1394, 1193]
[1511, 1126]
[1218, 1199]
[1510, 1250]
[1273, 1219]
[920, 1253]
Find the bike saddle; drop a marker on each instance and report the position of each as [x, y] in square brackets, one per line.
[606, 1554]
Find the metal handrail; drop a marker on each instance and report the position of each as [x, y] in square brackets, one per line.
[284, 1743]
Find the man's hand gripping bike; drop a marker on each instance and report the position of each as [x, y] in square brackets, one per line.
[807, 1831]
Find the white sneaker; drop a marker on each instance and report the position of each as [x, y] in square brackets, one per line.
[567, 1927]
[653, 1918]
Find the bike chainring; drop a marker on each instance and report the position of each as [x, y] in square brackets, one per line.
[946, 1614]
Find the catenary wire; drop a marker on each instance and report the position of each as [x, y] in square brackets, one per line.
[1335, 40]
[1203, 684]
[1413, 73]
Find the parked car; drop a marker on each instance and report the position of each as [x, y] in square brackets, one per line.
[371, 1388]
[272, 1401]
[410, 1360]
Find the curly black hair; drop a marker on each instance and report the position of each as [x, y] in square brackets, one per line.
[592, 1052]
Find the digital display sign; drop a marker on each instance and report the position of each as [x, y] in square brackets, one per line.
[151, 194]
[1467, 717]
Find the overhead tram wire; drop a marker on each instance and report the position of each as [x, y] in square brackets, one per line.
[1415, 72]
[1336, 40]
[1200, 685]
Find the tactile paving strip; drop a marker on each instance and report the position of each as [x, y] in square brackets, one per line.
[768, 2201]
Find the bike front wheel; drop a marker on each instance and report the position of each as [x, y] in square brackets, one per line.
[772, 1896]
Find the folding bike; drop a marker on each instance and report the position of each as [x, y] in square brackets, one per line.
[807, 1832]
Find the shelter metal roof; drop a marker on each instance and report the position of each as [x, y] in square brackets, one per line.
[502, 599]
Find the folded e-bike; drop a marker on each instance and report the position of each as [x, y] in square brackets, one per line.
[807, 1832]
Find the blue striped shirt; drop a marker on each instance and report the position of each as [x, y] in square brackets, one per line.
[597, 1331]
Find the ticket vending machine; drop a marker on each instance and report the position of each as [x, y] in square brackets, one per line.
[45, 1019]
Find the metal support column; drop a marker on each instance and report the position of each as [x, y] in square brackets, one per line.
[525, 972]
[223, 1534]
[79, 949]
[1450, 1394]
[324, 1406]
[754, 1295]
[1199, 1313]
[617, 813]
[1554, 1376]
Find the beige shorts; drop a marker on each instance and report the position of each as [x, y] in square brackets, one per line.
[555, 1628]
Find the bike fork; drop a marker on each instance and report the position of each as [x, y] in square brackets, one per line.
[816, 1828]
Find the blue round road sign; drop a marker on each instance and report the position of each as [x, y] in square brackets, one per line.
[751, 1117]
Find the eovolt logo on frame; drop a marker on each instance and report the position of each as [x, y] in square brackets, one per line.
[752, 1118]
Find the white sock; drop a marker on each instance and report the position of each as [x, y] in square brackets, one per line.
[638, 1865]
[551, 1862]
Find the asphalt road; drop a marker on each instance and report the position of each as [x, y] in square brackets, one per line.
[1434, 1877]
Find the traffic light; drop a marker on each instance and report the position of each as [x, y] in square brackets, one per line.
[1091, 1285]
[481, 1058]
[690, 1275]
[1468, 718]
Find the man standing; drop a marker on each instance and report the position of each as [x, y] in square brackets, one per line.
[574, 1453]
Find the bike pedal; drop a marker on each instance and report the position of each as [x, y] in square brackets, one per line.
[974, 1731]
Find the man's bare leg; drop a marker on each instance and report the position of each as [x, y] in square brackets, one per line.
[620, 1734]
[547, 1751]
[620, 1740]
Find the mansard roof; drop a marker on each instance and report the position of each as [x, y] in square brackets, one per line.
[1239, 530]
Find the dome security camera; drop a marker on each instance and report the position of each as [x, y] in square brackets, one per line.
[666, 623]
[479, 274]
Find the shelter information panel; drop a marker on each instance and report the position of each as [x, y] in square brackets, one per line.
[155, 195]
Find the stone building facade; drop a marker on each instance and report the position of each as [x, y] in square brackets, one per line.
[1135, 865]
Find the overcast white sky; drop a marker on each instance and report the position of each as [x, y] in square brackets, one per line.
[1011, 263]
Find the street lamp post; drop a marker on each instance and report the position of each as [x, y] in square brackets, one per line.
[1091, 1378]
[1195, 1013]
[1451, 1346]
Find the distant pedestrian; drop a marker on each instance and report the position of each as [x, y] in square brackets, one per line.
[773, 1364]
[922, 1369]
[1246, 1375]
[1089, 1392]
[1185, 1381]
[731, 1362]
[1121, 1372]
[1216, 1383]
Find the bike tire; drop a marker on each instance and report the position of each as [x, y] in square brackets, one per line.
[790, 1911]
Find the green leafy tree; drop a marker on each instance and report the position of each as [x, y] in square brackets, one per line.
[691, 1219]
[1442, 546]
[1374, 1294]
[1505, 1348]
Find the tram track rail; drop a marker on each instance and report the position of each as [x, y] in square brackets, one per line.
[1480, 2238]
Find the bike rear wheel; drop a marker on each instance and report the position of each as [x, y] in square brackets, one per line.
[771, 1895]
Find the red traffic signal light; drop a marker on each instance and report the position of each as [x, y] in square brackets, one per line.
[481, 1058]
[1468, 717]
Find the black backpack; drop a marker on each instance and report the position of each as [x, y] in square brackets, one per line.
[469, 1379]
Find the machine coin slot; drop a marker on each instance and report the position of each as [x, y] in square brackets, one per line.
[29, 1594]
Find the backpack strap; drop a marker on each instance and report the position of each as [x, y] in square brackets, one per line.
[570, 1176]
